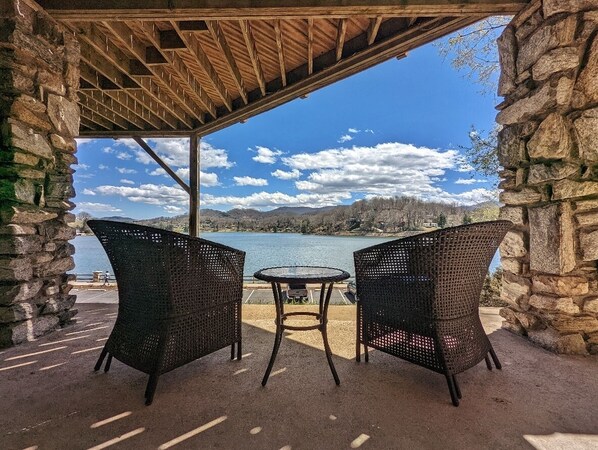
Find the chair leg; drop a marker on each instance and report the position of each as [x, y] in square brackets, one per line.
[367, 354]
[488, 364]
[151, 388]
[457, 388]
[495, 359]
[239, 352]
[451, 385]
[232, 351]
[98, 365]
[108, 362]
[357, 337]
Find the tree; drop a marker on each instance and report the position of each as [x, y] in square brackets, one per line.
[473, 50]
[441, 220]
[483, 153]
[467, 219]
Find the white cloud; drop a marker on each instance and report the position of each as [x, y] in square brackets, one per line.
[286, 175]
[345, 138]
[103, 167]
[175, 153]
[275, 199]
[353, 130]
[125, 181]
[125, 170]
[469, 181]
[368, 130]
[83, 141]
[88, 192]
[124, 156]
[266, 156]
[207, 179]
[100, 207]
[386, 169]
[175, 209]
[250, 181]
[151, 194]
[80, 166]
[108, 150]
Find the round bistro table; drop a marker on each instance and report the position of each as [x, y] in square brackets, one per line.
[326, 276]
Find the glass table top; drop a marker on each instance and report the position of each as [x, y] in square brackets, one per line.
[304, 274]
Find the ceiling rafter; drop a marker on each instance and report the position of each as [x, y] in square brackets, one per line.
[253, 54]
[125, 97]
[101, 99]
[373, 29]
[310, 46]
[193, 88]
[220, 39]
[103, 110]
[138, 49]
[195, 49]
[95, 118]
[341, 33]
[280, 49]
[103, 49]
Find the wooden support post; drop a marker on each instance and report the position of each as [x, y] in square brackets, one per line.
[194, 185]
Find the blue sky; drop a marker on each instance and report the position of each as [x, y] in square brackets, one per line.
[394, 129]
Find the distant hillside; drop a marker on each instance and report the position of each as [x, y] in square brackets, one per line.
[377, 216]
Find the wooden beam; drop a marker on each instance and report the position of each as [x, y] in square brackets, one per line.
[106, 55]
[121, 134]
[122, 99]
[253, 55]
[95, 118]
[94, 10]
[341, 32]
[103, 111]
[220, 39]
[195, 48]
[108, 107]
[362, 57]
[373, 29]
[161, 163]
[126, 37]
[280, 48]
[194, 185]
[310, 46]
[194, 89]
[134, 100]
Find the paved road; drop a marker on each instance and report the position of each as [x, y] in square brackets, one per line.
[250, 296]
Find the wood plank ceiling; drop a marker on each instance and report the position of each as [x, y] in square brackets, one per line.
[161, 74]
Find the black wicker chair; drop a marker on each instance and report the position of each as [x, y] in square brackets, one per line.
[418, 298]
[179, 298]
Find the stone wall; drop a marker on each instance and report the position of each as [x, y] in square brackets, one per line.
[39, 119]
[549, 150]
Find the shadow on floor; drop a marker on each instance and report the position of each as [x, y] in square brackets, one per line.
[52, 399]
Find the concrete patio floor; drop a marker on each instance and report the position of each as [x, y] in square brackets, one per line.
[51, 398]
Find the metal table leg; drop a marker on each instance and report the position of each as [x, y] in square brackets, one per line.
[277, 291]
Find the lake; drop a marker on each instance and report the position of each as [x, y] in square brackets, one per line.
[263, 250]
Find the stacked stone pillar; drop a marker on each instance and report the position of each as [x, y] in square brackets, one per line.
[39, 119]
[549, 150]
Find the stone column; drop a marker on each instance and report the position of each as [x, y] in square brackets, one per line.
[549, 150]
[39, 118]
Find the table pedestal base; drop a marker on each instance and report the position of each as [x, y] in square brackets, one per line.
[321, 317]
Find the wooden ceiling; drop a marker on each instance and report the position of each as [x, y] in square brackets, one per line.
[175, 67]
